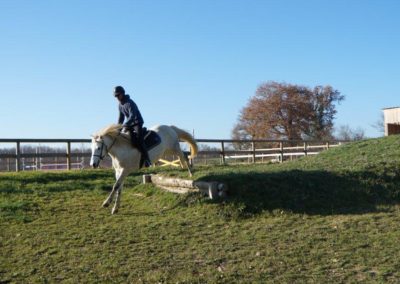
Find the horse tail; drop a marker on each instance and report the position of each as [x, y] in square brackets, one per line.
[188, 138]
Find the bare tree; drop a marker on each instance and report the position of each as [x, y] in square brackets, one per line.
[344, 132]
[323, 101]
[239, 133]
[379, 124]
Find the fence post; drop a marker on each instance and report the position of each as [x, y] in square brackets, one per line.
[253, 148]
[222, 153]
[37, 159]
[327, 145]
[69, 155]
[281, 151]
[18, 157]
[305, 148]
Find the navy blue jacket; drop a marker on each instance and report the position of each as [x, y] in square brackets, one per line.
[129, 110]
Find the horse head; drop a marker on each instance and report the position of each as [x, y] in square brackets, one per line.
[99, 151]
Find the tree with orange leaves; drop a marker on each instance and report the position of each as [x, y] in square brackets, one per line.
[286, 111]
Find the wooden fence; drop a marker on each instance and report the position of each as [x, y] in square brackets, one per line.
[224, 152]
[19, 156]
[277, 150]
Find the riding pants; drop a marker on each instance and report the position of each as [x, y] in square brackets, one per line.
[137, 140]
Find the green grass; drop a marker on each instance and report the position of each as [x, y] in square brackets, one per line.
[331, 218]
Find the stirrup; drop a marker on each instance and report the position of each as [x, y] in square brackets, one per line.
[147, 163]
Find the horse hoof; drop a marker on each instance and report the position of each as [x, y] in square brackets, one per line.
[114, 211]
[105, 204]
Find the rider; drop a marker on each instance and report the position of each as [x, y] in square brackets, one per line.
[134, 122]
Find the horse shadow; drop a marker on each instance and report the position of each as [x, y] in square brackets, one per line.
[310, 192]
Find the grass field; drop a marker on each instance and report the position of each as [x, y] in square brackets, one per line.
[331, 218]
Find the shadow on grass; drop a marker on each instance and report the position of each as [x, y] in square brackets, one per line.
[310, 192]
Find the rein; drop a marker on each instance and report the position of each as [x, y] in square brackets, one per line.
[107, 149]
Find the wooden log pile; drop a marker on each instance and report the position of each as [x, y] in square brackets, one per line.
[212, 189]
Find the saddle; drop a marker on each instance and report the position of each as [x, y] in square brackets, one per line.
[151, 138]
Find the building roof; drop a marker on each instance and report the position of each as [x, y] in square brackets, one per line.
[390, 108]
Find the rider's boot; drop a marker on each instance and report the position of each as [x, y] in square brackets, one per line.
[146, 159]
[137, 141]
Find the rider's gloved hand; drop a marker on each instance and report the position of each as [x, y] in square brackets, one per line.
[125, 129]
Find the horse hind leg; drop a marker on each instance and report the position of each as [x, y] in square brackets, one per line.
[183, 160]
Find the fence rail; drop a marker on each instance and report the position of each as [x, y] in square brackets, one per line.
[277, 152]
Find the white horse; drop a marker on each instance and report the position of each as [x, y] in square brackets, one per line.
[126, 158]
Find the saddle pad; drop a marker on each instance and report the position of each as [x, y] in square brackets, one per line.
[151, 139]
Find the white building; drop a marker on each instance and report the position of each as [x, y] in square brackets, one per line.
[392, 120]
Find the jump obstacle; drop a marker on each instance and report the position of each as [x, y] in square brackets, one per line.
[212, 189]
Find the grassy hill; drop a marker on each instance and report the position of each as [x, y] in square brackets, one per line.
[327, 218]
[350, 179]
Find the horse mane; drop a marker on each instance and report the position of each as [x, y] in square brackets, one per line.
[112, 130]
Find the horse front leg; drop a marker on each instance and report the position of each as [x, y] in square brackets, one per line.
[119, 191]
[108, 200]
[116, 185]
[117, 200]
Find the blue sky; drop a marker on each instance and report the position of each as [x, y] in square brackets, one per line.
[190, 63]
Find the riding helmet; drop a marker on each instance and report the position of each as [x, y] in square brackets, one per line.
[119, 90]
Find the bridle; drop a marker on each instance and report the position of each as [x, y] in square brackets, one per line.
[103, 145]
